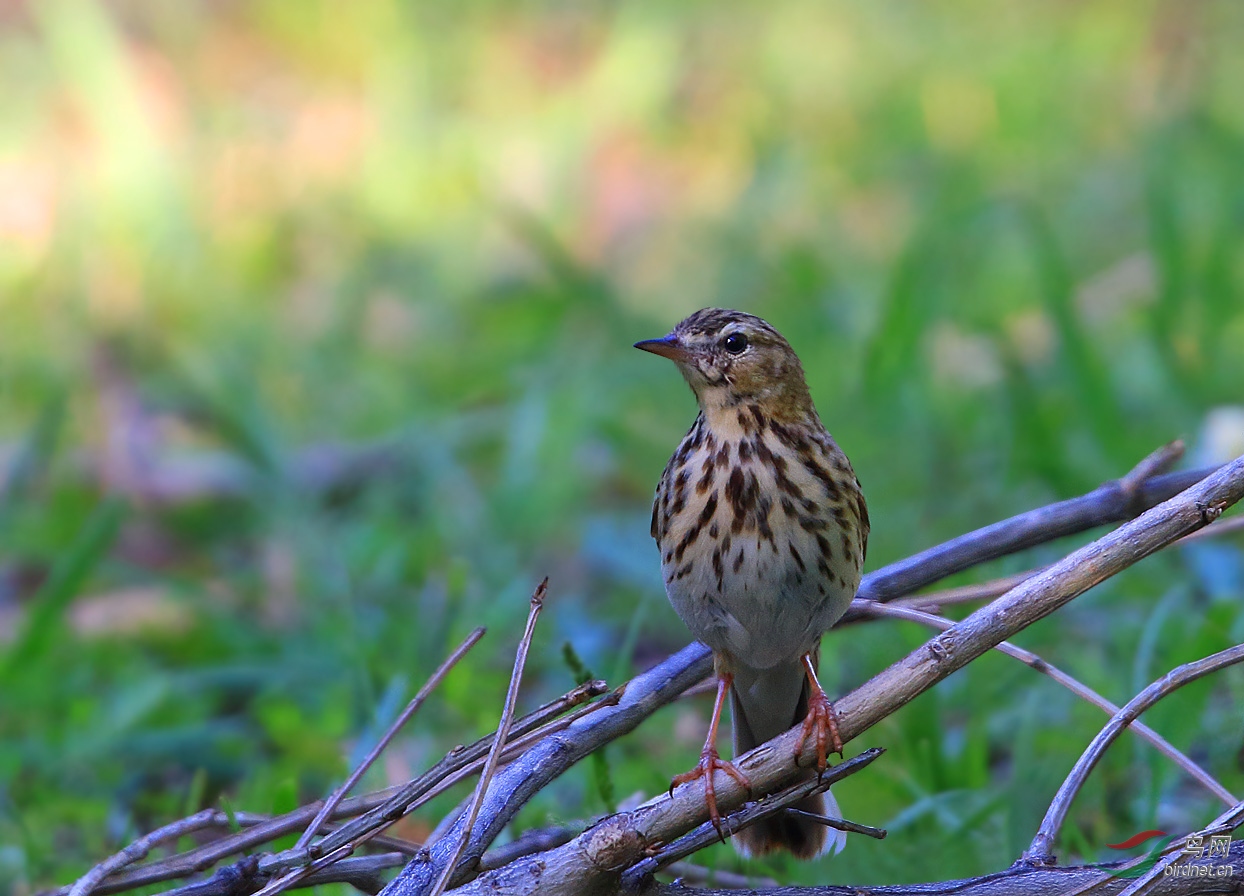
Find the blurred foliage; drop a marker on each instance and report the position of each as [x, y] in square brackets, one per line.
[1004, 238]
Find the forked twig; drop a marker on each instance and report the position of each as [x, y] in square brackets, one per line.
[1157, 462]
[503, 730]
[1039, 852]
[137, 850]
[1077, 687]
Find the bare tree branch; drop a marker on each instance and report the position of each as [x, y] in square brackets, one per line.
[138, 850]
[594, 861]
[1081, 690]
[1040, 851]
[1109, 503]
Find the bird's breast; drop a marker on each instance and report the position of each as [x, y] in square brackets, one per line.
[762, 534]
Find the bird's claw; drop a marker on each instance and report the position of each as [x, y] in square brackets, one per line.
[711, 762]
[822, 722]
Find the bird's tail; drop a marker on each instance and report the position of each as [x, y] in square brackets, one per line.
[765, 703]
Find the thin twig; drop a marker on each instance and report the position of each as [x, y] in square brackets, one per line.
[751, 813]
[1159, 461]
[688, 873]
[838, 824]
[503, 730]
[529, 842]
[1108, 503]
[489, 765]
[411, 708]
[933, 601]
[139, 848]
[292, 877]
[1039, 852]
[429, 786]
[1077, 687]
[964, 594]
[366, 828]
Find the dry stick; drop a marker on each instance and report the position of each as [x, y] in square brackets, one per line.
[411, 708]
[1081, 690]
[1112, 502]
[1158, 461]
[343, 841]
[839, 824]
[543, 761]
[1039, 852]
[339, 852]
[503, 730]
[143, 845]
[262, 829]
[707, 834]
[932, 601]
[593, 860]
[965, 594]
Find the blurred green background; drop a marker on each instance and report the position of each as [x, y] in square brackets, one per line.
[1004, 239]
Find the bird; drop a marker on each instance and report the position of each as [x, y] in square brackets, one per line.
[762, 529]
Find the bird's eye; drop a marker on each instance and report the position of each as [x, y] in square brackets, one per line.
[735, 343]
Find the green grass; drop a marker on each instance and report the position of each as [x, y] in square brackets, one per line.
[1004, 241]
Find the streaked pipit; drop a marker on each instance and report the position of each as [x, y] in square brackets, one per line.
[762, 529]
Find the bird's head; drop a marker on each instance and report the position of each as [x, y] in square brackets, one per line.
[732, 358]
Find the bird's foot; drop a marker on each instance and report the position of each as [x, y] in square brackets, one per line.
[710, 762]
[821, 722]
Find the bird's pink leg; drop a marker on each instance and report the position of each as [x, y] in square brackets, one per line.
[821, 720]
[710, 759]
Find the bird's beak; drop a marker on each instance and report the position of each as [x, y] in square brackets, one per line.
[667, 347]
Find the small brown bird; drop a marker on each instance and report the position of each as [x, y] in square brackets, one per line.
[762, 529]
